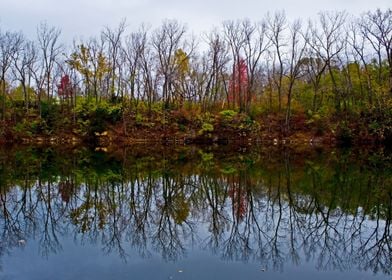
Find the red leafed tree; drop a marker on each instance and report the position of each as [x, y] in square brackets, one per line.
[239, 202]
[64, 89]
[238, 85]
[66, 190]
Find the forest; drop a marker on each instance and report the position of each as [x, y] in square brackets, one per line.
[327, 80]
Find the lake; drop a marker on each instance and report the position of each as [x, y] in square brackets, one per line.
[186, 212]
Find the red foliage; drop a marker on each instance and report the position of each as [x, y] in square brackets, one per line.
[238, 83]
[66, 191]
[239, 202]
[64, 89]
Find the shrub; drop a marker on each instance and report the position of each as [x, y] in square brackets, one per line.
[139, 119]
[94, 117]
[344, 135]
[318, 123]
[31, 128]
[206, 128]
[228, 115]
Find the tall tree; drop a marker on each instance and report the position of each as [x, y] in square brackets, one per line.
[239, 83]
[277, 26]
[327, 42]
[255, 46]
[377, 28]
[10, 44]
[296, 50]
[50, 50]
[235, 39]
[166, 41]
[24, 62]
[113, 38]
[215, 62]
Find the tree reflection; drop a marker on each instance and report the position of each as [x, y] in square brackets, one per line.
[333, 210]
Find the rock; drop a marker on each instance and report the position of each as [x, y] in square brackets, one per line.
[22, 242]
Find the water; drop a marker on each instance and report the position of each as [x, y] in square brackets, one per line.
[195, 213]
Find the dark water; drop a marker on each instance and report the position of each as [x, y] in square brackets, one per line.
[195, 213]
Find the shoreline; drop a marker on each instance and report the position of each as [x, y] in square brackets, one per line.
[184, 128]
[108, 138]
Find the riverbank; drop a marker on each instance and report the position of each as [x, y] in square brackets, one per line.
[185, 127]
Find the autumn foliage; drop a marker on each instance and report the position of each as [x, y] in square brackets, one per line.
[64, 89]
[238, 84]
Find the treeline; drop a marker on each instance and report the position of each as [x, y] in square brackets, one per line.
[337, 68]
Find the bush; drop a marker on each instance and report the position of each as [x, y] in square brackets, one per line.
[139, 119]
[318, 123]
[182, 116]
[228, 115]
[344, 135]
[30, 128]
[206, 128]
[93, 117]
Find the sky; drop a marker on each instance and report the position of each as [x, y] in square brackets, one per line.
[86, 18]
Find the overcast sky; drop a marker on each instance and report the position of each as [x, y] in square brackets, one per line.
[85, 18]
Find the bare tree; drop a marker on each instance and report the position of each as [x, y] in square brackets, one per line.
[377, 29]
[235, 38]
[327, 43]
[214, 66]
[50, 50]
[296, 51]
[135, 46]
[23, 65]
[276, 27]
[166, 41]
[358, 46]
[255, 46]
[10, 44]
[114, 46]
[149, 76]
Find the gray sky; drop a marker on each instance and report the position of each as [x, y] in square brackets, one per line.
[85, 18]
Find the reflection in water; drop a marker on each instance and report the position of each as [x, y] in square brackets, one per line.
[269, 207]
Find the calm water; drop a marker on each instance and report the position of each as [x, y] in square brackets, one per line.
[195, 213]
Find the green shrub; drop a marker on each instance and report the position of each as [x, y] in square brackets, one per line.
[228, 115]
[93, 117]
[31, 128]
[344, 135]
[318, 123]
[206, 128]
[139, 119]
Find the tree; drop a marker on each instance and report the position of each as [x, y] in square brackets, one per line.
[182, 73]
[214, 67]
[295, 53]
[10, 44]
[65, 88]
[24, 62]
[166, 40]
[113, 38]
[255, 46]
[90, 61]
[134, 52]
[277, 26]
[376, 27]
[358, 44]
[50, 50]
[79, 60]
[327, 43]
[238, 84]
[235, 39]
